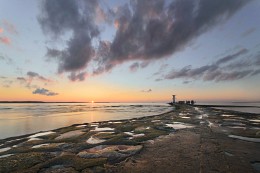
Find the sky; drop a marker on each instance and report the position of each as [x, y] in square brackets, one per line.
[130, 51]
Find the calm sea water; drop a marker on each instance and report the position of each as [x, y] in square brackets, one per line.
[255, 109]
[19, 119]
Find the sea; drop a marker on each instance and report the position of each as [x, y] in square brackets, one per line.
[26, 118]
[254, 107]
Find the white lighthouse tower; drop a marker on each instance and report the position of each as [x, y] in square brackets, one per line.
[173, 98]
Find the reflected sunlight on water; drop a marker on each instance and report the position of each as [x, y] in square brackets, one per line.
[18, 119]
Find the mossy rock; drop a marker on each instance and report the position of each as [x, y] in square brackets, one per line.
[66, 129]
[151, 135]
[22, 161]
[105, 135]
[78, 163]
[96, 169]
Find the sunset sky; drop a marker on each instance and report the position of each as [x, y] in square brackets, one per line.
[130, 51]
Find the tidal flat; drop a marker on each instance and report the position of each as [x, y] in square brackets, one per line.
[188, 139]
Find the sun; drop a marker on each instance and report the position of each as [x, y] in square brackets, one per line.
[92, 101]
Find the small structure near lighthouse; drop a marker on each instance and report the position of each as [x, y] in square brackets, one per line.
[187, 102]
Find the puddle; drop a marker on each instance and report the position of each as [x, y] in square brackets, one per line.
[255, 128]
[94, 124]
[14, 140]
[255, 120]
[178, 125]
[226, 115]
[97, 129]
[41, 134]
[185, 117]
[93, 140]
[236, 127]
[210, 124]
[134, 135]
[198, 109]
[233, 124]
[114, 122]
[199, 117]
[256, 165]
[154, 121]
[6, 155]
[228, 154]
[84, 125]
[202, 116]
[4, 149]
[40, 145]
[245, 138]
[34, 139]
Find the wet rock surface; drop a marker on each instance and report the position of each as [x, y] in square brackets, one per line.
[189, 139]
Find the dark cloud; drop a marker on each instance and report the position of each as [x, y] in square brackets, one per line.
[248, 32]
[6, 83]
[62, 16]
[257, 57]
[161, 69]
[158, 79]
[227, 68]
[30, 78]
[135, 66]
[9, 27]
[231, 57]
[146, 30]
[21, 79]
[33, 75]
[152, 29]
[43, 91]
[6, 59]
[186, 82]
[256, 72]
[226, 76]
[147, 91]
[77, 76]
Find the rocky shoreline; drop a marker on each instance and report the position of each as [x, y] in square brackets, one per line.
[189, 139]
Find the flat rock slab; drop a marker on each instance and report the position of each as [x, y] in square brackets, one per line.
[112, 153]
[198, 150]
[70, 134]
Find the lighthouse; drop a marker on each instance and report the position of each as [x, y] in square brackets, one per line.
[173, 98]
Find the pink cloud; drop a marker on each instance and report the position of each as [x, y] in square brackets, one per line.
[1, 30]
[5, 40]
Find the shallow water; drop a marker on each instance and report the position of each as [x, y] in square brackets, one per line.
[255, 109]
[245, 138]
[25, 118]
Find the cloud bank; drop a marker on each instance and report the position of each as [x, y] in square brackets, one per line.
[34, 75]
[31, 78]
[146, 30]
[228, 68]
[43, 91]
[147, 91]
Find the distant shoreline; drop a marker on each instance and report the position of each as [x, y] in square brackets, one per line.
[237, 106]
[45, 102]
